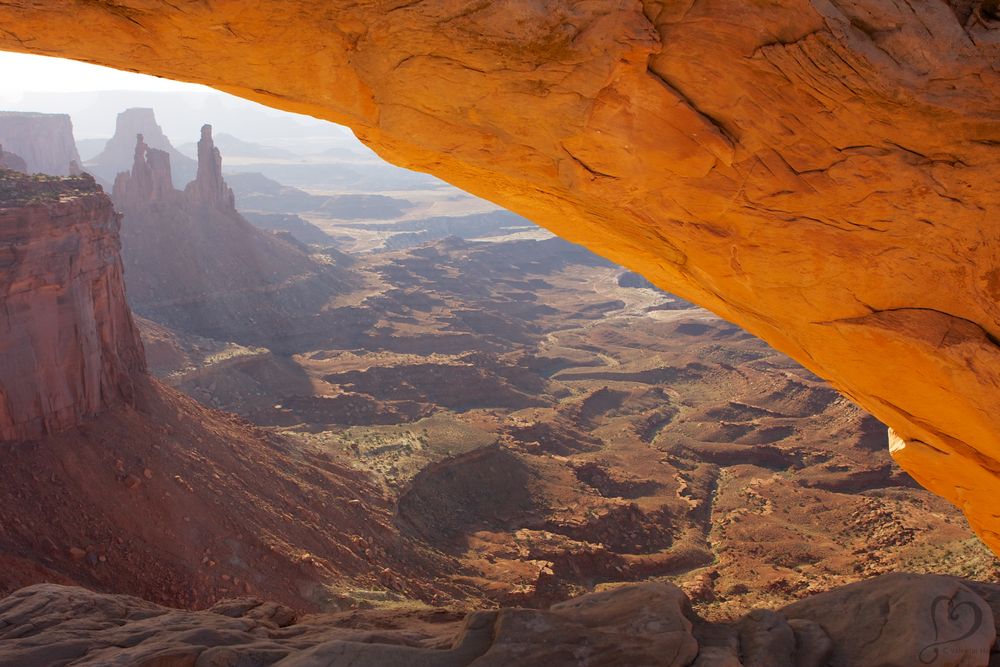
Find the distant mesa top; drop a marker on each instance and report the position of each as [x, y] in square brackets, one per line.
[42, 141]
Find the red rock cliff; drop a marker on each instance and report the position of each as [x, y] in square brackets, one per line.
[68, 347]
[822, 172]
[194, 264]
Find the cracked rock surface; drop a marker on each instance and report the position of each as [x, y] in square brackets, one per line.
[822, 172]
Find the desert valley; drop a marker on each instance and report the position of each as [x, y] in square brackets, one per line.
[266, 399]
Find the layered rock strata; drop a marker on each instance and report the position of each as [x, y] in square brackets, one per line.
[44, 141]
[821, 172]
[68, 346]
[895, 621]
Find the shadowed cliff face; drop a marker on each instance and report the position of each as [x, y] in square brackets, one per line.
[820, 171]
[69, 348]
[192, 261]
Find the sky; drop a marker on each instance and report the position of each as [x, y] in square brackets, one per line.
[94, 95]
[56, 85]
[20, 73]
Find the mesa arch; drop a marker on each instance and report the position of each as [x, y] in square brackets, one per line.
[821, 172]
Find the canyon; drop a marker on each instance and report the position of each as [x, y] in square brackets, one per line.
[456, 444]
[487, 418]
[606, 472]
[196, 264]
[112, 479]
[818, 172]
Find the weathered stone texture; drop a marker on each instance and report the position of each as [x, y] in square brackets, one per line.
[892, 621]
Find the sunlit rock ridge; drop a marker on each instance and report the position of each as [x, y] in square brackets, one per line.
[820, 171]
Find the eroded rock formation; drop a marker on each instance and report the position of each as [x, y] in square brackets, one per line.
[895, 621]
[43, 140]
[820, 171]
[209, 190]
[117, 155]
[109, 476]
[193, 262]
[68, 346]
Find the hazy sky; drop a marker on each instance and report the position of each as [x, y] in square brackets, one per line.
[21, 73]
[93, 96]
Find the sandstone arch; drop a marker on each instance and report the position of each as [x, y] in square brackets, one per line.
[822, 172]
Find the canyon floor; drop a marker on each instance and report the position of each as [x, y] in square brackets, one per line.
[544, 424]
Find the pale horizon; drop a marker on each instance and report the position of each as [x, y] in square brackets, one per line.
[33, 83]
[24, 73]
